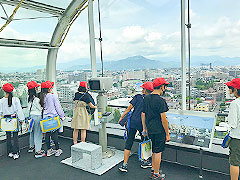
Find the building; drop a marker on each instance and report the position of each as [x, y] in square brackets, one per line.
[134, 75]
[202, 107]
[234, 73]
[66, 92]
[77, 76]
[40, 75]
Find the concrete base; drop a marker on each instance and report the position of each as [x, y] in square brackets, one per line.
[107, 164]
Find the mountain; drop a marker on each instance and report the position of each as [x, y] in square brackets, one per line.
[27, 69]
[140, 62]
[215, 60]
[134, 62]
[72, 64]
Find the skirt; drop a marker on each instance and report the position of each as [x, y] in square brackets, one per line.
[80, 118]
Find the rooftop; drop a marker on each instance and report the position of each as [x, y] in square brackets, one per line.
[27, 167]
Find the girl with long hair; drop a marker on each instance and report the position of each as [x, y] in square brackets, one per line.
[35, 112]
[10, 107]
[51, 107]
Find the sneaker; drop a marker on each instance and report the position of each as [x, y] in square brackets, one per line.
[15, 156]
[160, 176]
[123, 168]
[10, 155]
[146, 164]
[31, 149]
[160, 171]
[40, 154]
[58, 152]
[50, 152]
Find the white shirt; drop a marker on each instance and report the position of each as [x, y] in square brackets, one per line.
[234, 118]
[14, 109]
[36, 107]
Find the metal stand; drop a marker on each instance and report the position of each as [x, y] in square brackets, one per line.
[200, 166]
[102, 103]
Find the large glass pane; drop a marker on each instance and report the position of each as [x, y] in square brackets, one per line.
[19, 66]
[28, 24]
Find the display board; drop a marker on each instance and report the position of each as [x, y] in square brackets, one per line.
[191, 128]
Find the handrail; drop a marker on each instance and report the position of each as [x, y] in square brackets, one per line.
[218, 114]
[117, 106]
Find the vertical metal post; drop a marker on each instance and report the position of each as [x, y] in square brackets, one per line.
[200, 165]
[102, 103]
[92, 48]
[183, 54]
[92, 38]
[189, 57]
[51, 66]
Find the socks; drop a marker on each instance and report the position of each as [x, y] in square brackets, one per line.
[124, 164]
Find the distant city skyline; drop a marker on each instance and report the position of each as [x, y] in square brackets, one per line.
[130, 27]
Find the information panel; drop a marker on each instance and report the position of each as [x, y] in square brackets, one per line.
[191, 128]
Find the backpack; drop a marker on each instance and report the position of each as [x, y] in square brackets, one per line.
[89, 109]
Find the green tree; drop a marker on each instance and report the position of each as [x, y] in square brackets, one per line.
[116, 116]
[198, 100]
[170, 85]
[125, 93]
[108, 109]
[115, 84]
[1, 93]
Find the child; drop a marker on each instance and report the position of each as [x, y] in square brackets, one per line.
[135, 123]
[10, 107]
[80, 118]
[234, 124]
[35, 112]
[52, 107]
[155, 123]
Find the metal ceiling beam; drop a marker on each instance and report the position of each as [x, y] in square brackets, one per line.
[24, 43]
[37, 6]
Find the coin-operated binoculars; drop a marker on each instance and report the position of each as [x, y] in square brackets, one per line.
[101, 85]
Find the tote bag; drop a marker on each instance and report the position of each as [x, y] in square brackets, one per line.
[49, 124]
[145, 149]
[30, 124]
[226, 141]
[30, 121]
[9, 124]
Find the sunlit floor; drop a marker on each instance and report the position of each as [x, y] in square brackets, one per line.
[27, 167]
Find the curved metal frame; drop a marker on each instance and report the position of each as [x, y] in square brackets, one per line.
[61, 27]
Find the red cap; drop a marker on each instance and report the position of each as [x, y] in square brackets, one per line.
[235, 83]
[147, 85]
[8, 87]
[83, 84]
[159, 81]
[46, 84]
[32, 84]
[52, 83]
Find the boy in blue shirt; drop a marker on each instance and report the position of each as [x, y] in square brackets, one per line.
[135, 123]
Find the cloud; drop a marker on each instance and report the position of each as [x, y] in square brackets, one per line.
[220, 38]
[133, 33]
[129, 28]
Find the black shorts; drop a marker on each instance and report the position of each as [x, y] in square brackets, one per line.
[131, 136]
[158, 142]
[234, 153]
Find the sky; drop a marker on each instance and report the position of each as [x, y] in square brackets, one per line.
[150, 28]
